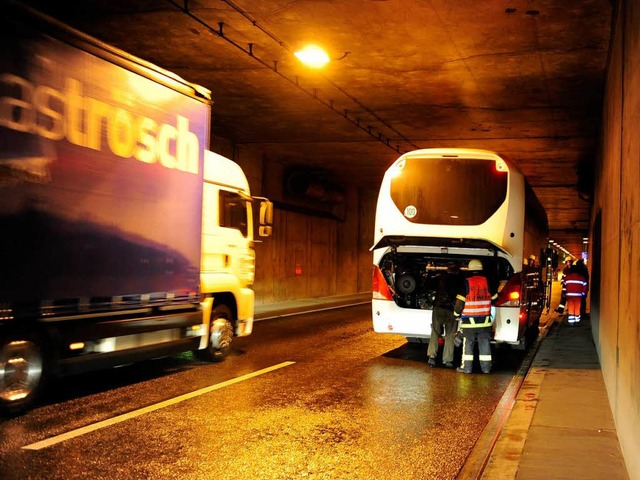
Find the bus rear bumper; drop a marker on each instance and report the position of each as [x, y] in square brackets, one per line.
[409, 322]
[388, 317]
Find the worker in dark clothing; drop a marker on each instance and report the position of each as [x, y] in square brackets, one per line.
[581, 268]
[473, 305]
[443, 317]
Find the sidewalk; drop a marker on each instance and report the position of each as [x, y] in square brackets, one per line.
[561, 426]
[556, 425]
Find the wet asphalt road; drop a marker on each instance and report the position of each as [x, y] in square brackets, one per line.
[354, 405]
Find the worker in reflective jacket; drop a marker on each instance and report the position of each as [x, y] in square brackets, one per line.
[576, 290]
[473, 306]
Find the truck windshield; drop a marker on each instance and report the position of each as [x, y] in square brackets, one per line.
[449, 191]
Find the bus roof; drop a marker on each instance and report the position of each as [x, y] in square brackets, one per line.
[459, 153]
[454, 152]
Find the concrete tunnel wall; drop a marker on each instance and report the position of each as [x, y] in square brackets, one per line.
[317, 249]
[615, 234]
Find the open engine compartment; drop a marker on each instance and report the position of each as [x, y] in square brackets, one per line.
[412, 276]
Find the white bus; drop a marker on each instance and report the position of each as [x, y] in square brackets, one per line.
[442, 207]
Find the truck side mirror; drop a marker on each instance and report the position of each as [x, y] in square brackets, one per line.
[266, 217]
[265, 231]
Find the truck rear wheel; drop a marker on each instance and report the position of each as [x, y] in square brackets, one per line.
[220, 334]
[21, 372]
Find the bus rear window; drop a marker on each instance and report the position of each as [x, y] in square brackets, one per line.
[449, 191]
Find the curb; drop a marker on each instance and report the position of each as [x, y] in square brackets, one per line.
[493, 434]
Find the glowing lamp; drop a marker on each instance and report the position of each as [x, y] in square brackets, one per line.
[312, 56]
[501, 166]
[397, 170]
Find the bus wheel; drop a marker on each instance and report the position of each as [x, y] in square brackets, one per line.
[220, 334]
[534, 331]
[21, 373]
[523, 343]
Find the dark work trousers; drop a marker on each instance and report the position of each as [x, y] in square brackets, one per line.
[483, 337]
[442, 318]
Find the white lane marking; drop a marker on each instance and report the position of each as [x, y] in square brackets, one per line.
[136, 413]
[304, 312]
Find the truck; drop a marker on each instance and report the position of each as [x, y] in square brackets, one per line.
[123, 236]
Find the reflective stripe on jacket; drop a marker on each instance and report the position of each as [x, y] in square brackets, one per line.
[576, 285]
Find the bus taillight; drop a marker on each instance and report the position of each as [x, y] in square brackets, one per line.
[509, 296]
[380, 288]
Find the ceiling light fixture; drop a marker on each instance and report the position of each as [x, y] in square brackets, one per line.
[312, 56]
[345, 113]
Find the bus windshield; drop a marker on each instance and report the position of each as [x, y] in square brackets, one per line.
[448, 191]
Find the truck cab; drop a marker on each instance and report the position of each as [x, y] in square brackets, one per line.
[228, 256]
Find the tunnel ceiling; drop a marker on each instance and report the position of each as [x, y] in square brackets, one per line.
[521, 77]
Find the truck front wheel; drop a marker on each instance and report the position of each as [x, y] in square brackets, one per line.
[220, 334]
[21, 372]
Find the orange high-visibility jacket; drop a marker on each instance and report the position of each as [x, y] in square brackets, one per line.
[576, 285]
[477, 302]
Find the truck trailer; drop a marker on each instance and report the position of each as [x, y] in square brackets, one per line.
[123, 237]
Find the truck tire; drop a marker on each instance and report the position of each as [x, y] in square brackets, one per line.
[220, 335]
[22, 368]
